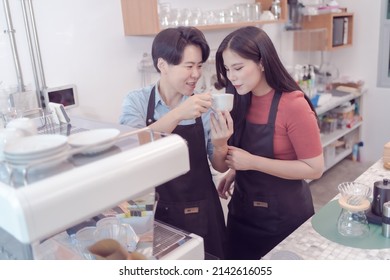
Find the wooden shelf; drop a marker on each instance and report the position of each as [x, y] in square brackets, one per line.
[339, 157]
[327, 139]
[337, 101]
[350, 136]
[317, 32]
[140, 17]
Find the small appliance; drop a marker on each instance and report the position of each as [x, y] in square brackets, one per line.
[381, 195]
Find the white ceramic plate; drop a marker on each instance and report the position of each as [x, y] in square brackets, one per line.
[36, 158]
[41, 163]
[35, 146]
[99, 140]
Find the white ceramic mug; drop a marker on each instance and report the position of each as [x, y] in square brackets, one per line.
[26, 125]
[222, 101]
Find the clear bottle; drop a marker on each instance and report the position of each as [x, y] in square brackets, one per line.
[312, 75]
[304, 81]
[312, 79]
[4, 107]
[275, 9]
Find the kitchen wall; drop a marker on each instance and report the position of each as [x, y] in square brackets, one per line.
[82, 42]
[361, 61]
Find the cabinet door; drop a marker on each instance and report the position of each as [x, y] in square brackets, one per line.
[140, 17]
[324, 32]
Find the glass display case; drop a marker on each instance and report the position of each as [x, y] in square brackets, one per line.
[49, 198]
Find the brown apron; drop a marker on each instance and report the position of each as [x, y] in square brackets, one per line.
[190, 202]
[264, 209]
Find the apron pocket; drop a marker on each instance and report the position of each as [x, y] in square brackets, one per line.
[260, 212]
[188, 216]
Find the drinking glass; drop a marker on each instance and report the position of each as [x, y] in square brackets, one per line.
[85, 237]
[112, 228]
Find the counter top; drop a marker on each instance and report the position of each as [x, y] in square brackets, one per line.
[306, 243]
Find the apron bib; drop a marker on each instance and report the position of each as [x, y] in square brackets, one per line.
[264, 209]
[190, 202]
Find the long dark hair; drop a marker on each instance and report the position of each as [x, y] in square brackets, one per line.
[253, 43]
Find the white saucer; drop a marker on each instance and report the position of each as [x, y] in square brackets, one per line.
[99, 140]
[35, 146]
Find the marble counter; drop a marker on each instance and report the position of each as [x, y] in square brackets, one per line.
[306, 243]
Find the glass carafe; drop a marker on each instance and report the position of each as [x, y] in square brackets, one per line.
[352, 221]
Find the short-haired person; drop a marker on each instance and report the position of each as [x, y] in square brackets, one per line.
[275, 145]
[189, 202]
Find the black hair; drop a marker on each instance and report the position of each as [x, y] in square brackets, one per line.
[169, 44]
[253, 43]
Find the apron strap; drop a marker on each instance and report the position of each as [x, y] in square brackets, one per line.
[274, 107]
[151, 104]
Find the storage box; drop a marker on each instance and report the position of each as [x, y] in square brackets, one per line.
[328, 125]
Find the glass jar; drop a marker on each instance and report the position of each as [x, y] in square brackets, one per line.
[275, 9]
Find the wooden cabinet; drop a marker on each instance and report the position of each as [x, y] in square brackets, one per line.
[339, 142]
[140, 17]
[324, 32]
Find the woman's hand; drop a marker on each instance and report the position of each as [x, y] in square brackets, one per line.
[221, 124]
[194, 106]
[239, 159]
[225, 185]
[221, 129]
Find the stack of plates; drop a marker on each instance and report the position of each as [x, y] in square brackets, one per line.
[37, 151]
[94, 141]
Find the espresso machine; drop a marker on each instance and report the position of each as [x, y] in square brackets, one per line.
[42, 204]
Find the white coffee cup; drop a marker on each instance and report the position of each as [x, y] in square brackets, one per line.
[222, 101]
[26, 125]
